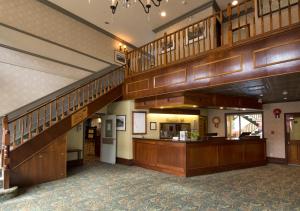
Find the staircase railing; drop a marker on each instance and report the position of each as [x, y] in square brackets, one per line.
[225, 28]
[19, 130]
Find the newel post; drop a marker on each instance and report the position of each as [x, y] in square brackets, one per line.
[5, 152]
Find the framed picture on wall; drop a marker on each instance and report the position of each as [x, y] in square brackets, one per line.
[195, 33]
[139, 122]
[153, 126]
[120, 57]
[265, 7]
[121, 122]
[167, 46]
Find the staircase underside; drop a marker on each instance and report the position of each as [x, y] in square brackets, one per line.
[20, 155]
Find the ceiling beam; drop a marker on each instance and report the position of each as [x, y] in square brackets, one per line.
[85, 22]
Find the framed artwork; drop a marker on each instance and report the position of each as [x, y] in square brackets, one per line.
[139, 122]
[265, 7]
[153, 126]
[169, 46]
[120, 57]
[244, 32]
[121, 122]
[195, 33]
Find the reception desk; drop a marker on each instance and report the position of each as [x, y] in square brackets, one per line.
[191, 158]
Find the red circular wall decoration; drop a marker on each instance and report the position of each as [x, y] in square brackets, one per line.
[216, 120]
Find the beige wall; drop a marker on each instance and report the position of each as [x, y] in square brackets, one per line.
[181, 24]
[124, 138]
[161, 118]
[31, 26]
[276, 140]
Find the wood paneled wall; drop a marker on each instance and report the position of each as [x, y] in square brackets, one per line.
[43, 166]
[259, 57]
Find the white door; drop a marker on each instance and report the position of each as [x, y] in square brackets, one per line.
[109, 139]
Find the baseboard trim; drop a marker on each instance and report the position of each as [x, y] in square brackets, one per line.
[276, 160]
[123, 161]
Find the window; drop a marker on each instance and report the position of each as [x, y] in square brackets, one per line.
[239, 123]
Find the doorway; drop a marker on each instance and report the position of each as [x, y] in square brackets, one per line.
[292, 138]
[92, 137]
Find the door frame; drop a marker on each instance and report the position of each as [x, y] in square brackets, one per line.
[286, 137]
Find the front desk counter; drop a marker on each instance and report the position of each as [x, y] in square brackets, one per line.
[190, 158]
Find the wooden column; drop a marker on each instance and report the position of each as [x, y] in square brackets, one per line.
[5, 152]
[229, 31]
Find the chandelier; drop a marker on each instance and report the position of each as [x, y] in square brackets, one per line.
[126, 3]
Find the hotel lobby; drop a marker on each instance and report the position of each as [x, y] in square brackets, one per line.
[150, 105]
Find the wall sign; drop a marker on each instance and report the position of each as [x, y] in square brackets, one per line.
[79, 116]
[139, 122]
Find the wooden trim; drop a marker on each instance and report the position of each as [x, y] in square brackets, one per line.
[174, 111]
[148, 83]
[271, 47]
[277, 160]
[170, 73]
[124, 161]
[217, 61]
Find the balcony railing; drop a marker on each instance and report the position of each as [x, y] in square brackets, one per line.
[225, 28]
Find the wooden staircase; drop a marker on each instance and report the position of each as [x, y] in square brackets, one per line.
[27, 136]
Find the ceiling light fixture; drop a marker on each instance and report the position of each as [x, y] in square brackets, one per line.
[163, 14]
[284, 92]
[234, 3]
[127, 3]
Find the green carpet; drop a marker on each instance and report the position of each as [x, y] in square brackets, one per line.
[105, 187]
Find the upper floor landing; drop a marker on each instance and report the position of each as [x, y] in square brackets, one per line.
[254, 39]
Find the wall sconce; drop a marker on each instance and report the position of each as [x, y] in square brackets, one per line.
[122, 48]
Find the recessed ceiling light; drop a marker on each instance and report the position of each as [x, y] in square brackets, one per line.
[195, 106]
[161, 107]
[221, 108]
[163, 14]
[285, 98]
[284, 92]
[234, 2]
[243, 109]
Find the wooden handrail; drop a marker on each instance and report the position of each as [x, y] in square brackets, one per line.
[60, 96]
[44, 116]
[235, 23]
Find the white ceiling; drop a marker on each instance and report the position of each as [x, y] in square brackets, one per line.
[132, 24]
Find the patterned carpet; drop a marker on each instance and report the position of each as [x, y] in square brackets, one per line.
[104, 187]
